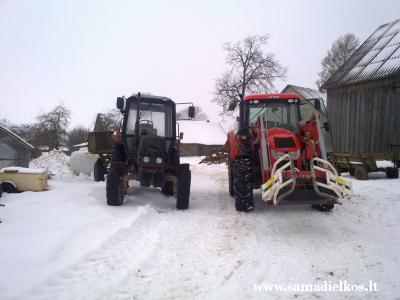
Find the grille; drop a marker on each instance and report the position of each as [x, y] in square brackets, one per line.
[284, 142]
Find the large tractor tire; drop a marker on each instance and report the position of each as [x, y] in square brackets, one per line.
[168, 188]
[392, 172]
[183, 194]
[323, 207]
[243, 184]
[114, 189]
[99, 170]
[230, 178]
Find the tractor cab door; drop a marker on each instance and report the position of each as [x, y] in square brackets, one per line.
[308, 108]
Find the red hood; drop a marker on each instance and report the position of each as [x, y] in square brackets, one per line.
[282, 140]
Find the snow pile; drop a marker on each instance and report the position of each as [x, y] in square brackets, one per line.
[82, 161]
[55, 162]
[22, 170]
[202, 132]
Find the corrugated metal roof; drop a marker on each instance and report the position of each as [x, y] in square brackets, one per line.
[305, 93]
[16, 137]
[378, 57]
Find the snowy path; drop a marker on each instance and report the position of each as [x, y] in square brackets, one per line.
[67, 244]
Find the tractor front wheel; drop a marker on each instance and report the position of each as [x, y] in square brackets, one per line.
[114, 188]
[182, 199]
[99, 170]
[323, 207]
[230, 178]
[243, 184]
[167, 188]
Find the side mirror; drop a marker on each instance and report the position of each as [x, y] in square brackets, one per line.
[181, 135]
[191, 112]
[326, 126]
[120, 103]
[232, 106]
[317, 104]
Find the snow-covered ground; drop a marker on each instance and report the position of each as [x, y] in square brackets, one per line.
[66, 243]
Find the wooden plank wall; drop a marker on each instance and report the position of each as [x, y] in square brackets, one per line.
[365, 117]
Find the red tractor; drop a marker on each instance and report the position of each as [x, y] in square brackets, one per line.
[280, 147]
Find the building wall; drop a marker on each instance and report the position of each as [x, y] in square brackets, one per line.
[197, 149]
[365, 117]
[12, 155]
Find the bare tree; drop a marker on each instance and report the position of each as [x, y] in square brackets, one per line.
[51, 127]
[108, 120]
[5, 122]
[77, 135]
[251, 71]
[341, 50]
[199, 116]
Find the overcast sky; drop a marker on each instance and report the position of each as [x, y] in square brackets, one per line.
[86, 53]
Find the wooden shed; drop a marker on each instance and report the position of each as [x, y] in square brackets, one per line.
[14, 151]
[364, 95]
[201, 137]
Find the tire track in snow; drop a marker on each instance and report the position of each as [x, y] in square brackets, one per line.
[169, 255]
[90, 277]
[200, 252]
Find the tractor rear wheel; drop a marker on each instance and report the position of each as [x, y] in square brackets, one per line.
[243, 184]
[99, 170]
[230, 178]
[114, 189]
[182, 199]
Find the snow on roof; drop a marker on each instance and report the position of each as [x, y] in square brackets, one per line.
[22, 170]
[378, 57]
[81, 145]
[16, 137]
[202, 132]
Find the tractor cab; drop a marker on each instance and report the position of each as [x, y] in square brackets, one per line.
[289, 123]
[283, 139]
[148, 130]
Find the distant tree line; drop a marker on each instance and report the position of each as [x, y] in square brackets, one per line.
[50, 129]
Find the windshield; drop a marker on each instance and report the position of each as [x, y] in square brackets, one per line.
[154, 119]
[282, 115]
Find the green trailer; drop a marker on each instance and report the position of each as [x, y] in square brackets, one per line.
[100, 143]
[360, 164]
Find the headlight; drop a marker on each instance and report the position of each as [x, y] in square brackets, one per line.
[277, 154]
[294, 155]
[159, 160]
[146, 159]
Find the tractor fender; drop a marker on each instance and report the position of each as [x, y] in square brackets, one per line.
[240, 144]
[232, 144]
